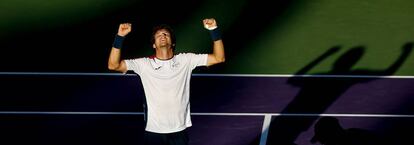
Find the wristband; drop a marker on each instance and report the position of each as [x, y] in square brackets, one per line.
[215, 34]
[118, 42]
[209, 28]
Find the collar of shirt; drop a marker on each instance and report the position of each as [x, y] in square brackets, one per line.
[158, 63]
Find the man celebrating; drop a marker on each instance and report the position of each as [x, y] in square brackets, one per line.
[166, 80]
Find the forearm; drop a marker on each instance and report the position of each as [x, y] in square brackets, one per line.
[114, 59]
[218, 50]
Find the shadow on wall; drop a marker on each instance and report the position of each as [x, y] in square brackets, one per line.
[317, 94]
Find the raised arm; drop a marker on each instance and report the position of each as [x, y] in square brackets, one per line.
[114, 62]
[406, 50]
[297, 81]
[218, 48]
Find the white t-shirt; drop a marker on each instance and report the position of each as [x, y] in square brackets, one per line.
[167, 89]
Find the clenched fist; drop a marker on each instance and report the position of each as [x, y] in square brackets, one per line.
[124, 29]
[210, 23]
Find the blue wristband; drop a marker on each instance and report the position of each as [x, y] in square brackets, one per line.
[119, 40]
[215, 34]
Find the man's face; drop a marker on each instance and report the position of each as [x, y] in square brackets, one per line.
[162, 39]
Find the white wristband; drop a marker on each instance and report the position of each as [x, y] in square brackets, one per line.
[210, 28]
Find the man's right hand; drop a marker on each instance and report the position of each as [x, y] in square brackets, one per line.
[124, 29]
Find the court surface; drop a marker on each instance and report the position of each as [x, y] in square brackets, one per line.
[227, 109]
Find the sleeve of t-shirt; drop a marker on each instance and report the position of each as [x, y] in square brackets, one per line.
[134, 65]
[197, 59]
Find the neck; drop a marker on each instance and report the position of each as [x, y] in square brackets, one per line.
[164, 54]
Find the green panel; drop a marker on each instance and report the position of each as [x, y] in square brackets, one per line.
[289, 35]
[307, 29]
[28, 15]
